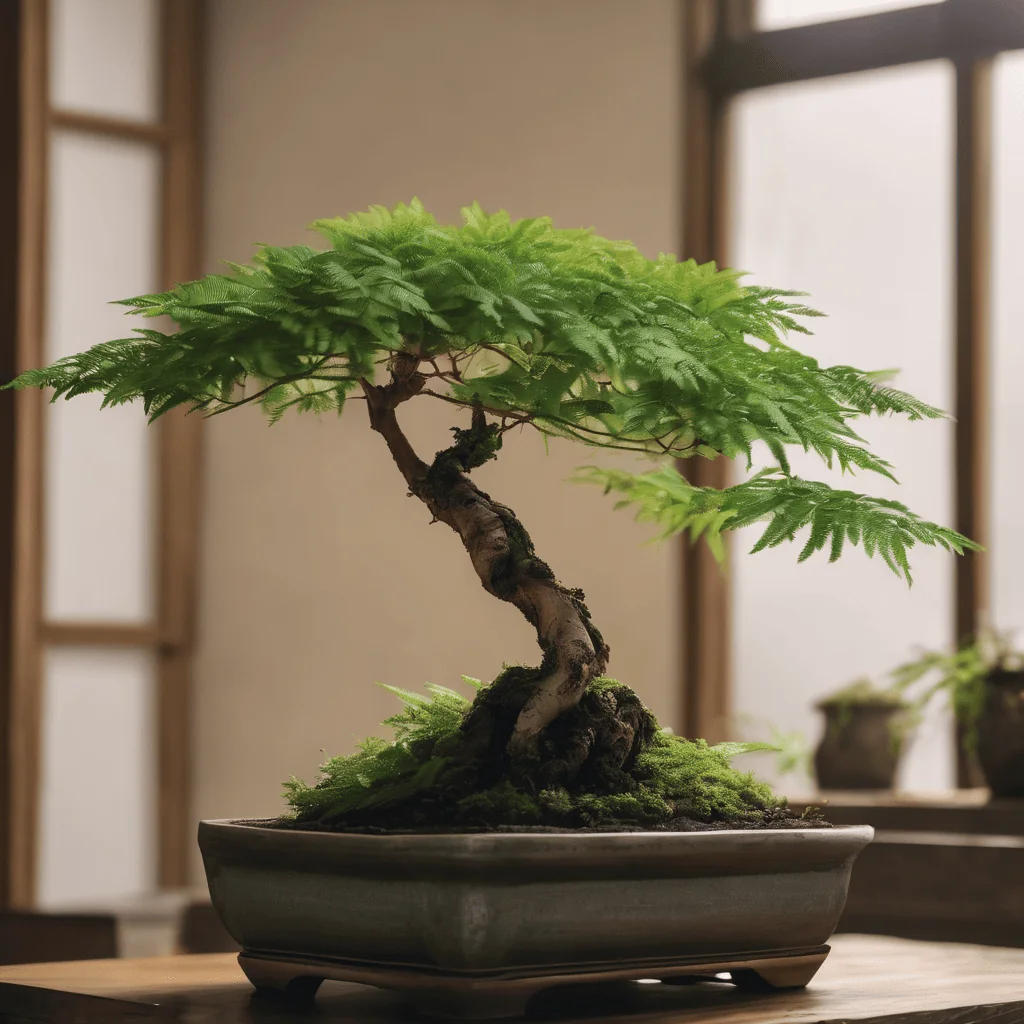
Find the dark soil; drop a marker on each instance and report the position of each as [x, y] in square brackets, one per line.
[811, 820]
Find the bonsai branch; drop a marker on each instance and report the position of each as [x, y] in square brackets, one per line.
[577, 431]
[312, 373]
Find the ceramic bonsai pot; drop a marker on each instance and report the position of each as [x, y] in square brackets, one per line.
[475, 924]
[1001, 734]
[861, 746]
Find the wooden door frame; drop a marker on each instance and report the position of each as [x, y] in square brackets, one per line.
[706, 606]
[725, 56]
[10, 151]
[180, 442]
[21, 583]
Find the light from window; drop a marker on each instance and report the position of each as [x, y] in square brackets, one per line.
[99, 708]
[103, 244]
[104, 57]
[1007, 540]
[843, 189]
[787, 13]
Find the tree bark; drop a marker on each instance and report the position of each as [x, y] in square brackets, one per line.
[502, 554]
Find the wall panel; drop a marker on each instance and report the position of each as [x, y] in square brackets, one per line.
[105, 57]
[99, 510]
[97, 806]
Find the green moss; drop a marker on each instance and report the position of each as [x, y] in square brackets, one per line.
[699, 782]
[418, 781]
[503, 803]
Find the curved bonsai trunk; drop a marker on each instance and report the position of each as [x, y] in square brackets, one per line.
[504, 559]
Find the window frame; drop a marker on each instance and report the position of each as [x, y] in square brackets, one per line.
[28, 118]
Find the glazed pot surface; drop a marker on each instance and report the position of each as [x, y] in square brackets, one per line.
[860, 748]
[498, 901]
[1001, 735]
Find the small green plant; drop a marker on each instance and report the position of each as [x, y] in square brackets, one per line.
[863, 692]
[793, 753]
[960, 676]
[512, 325]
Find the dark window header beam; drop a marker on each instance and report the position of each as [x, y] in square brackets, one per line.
[963, 31]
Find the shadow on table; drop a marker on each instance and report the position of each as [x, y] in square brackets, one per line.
[349, 1004]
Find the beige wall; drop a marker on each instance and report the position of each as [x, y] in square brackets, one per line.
[319, 576]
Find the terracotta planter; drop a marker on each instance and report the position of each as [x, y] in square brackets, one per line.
[474, 925]
[861, 746]
[1001, 735]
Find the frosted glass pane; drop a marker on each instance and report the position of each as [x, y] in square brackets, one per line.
[104, 57]
[1007, 540]
[787, 13]
[844, 190]
[99, 791]
[99, 465]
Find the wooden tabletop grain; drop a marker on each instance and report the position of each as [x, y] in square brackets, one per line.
[866, 979]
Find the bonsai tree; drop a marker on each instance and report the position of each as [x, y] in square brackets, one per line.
[521, 325]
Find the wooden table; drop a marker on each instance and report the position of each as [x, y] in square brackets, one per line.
[866, 978]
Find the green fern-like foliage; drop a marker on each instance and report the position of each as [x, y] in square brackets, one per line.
[786, 504]
[673, 779]
[562, 330]
[382, 772]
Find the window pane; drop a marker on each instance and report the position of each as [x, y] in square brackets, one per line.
[98, 476]
[104, 57]
[98, 797]
[787, 13]
[1007, 540]
[844, 190]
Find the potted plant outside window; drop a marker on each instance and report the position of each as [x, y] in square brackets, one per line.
[865, 731]
[549, 831]
[983, 683]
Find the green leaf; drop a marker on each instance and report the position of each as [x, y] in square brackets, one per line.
[786, 504]
[731, 749]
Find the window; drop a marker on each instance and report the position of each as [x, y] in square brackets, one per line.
[843, 148]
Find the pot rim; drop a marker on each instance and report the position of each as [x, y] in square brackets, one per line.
[250, 834]
[484, 856]
[830, 704]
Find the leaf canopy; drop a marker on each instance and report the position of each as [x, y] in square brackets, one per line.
[571, 333]
[583, 335]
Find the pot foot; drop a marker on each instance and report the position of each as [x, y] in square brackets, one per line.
[464, 997]
[755, 975]
[787, 973]
[279, 979]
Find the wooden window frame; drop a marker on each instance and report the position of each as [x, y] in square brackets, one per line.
[725, 56]
[26, 116]
[10, 129]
